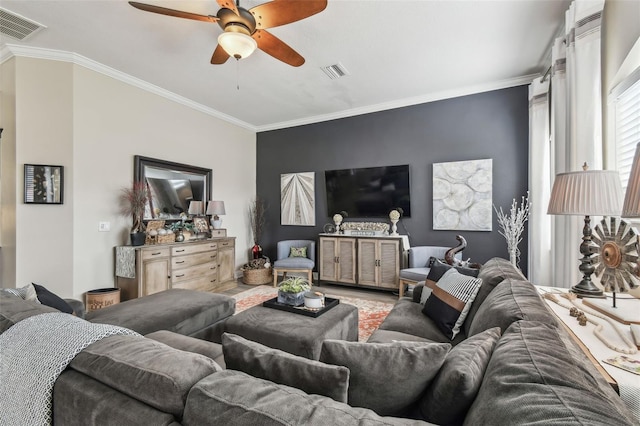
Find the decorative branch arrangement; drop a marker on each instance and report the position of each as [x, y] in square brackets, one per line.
[133, 201]
[513, 225]
[257, 218]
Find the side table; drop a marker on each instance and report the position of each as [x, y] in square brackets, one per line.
[625, 383]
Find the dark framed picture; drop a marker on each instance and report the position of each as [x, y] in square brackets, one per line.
[43, 184]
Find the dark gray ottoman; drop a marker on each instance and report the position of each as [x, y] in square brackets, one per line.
[191, 313]
[295, 333]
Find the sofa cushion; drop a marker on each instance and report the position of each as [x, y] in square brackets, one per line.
[181, 311]
[49, 298]
[386, 377]
[492, 273]
[80, 400]
[438, 268]
[236, 398]
[407, 317]
[14, 309]
[389, 336]
[27, 292]
[145, 369]
[537, 375]
[453, 390]
[511, 301]
[311, 376]
[450, 301]
[189, 344]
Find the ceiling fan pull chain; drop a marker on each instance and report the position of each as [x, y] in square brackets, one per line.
[237, 74]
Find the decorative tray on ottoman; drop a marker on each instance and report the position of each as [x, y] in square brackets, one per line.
[302, 310]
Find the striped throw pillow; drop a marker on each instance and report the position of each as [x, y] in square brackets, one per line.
[28, 292]
[450, 301]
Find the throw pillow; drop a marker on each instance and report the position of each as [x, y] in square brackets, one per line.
[50, 299]
[28, 292]
[388, 378]
[451, 300]
[298, 252]
[277, 366]
[453, 390]
[438, 268]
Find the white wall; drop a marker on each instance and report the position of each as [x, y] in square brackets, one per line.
[105, 122]
[7, 175]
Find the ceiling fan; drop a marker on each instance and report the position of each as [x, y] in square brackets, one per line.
[245, 30]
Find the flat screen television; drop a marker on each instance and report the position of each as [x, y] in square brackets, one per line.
[368, 192]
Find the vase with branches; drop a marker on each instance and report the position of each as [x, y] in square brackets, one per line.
[133, 201]
[257, 221]
[513, 225]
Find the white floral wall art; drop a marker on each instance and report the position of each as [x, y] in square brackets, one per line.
[298, 199]
[462, 195]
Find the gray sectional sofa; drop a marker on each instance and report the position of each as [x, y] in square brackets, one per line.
[518, 366]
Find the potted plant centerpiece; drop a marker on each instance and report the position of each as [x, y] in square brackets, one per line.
[133, 201]
[291, 291]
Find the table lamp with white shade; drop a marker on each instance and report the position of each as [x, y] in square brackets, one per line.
[586, 193]
[216, 208]
[196, 208]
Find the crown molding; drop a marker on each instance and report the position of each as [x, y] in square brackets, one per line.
[400, 103]
[8, 51]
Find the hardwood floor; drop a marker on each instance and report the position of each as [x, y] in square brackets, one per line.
[335, 290]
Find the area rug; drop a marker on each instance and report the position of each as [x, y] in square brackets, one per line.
[370, 313]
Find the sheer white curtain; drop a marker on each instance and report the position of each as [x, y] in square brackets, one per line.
[575, 133]
[539, 183]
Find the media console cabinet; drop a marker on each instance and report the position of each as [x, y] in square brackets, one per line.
[365, 261]
[206, 265]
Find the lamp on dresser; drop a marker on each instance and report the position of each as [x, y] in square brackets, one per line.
[196, 208]
[214, 209]
[586, 193]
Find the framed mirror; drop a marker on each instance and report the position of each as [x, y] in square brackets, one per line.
[172, 186]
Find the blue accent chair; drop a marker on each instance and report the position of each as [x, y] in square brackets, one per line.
[286, 264]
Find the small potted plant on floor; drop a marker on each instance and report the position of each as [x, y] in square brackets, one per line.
[291, 291]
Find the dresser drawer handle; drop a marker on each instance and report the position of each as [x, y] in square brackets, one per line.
[225, 244]
[180, 261]
[179, 275]
[179, 251]
[157, 253]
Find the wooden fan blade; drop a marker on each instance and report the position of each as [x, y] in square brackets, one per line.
[229, 4]
[277, 48]
[173, 12]
[220, 56]
[281, 12]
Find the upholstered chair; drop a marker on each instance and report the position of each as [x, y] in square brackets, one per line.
[300, 259]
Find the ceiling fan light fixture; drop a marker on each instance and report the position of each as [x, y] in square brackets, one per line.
[237, 44]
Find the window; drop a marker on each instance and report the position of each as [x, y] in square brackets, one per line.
[627, 124]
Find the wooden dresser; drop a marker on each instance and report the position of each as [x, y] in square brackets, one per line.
[205, 265]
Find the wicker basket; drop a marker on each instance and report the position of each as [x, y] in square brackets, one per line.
[101, 298]
[257, 276]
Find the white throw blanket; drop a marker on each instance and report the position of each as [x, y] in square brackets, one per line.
[33, 353]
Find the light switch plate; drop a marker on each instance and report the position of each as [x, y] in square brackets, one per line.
[104, 226]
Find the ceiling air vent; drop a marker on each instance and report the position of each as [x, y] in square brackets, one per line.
[16, 26]
[335, 71]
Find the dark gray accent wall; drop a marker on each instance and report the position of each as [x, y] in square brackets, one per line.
[487, 125]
